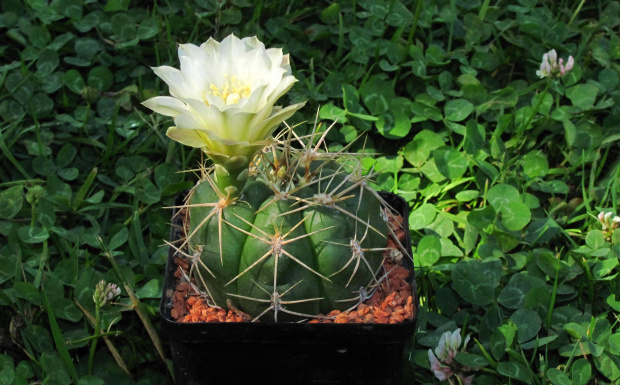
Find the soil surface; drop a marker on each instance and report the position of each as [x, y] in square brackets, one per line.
[392, 302]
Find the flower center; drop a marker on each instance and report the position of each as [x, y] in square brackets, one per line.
[232, 91]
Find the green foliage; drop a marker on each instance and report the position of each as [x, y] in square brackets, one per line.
[505, 172]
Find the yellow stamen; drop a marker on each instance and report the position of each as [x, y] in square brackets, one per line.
[232, 91]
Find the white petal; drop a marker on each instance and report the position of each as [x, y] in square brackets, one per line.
[256, 102]
[179, 86]
[553, 57]
[166, 105]
[433, 360]
[265, 128]
[232, 123]
[455, 340]
[214, 101]
[190, 120]
[231, 48]
[286, 63]
[192, 60]
[192, 138]
[570, 63]
[281, 88]
[276, 57]
[210, 46]
[467, 338]
[252, 42]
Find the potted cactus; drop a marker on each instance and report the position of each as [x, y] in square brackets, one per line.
[276, 230]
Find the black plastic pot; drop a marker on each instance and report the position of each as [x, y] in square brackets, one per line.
[286, 353]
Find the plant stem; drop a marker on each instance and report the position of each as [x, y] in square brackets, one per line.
[42, 260]
[136, 305]
[93, 337]
[231, 181]
[25, 182]
[576, 11]
[115, 354]
[553, 294]
[414, 26]
[83, 128]
[33, 214]
[93, 346]
[524, 126]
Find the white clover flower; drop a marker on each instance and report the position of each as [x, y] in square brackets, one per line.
[442, 360]
[569, 65]
[550, 66]
[222, 97]
[546, 66]
[441, 371]
[608, 220]
[105, 293]
[113, 291]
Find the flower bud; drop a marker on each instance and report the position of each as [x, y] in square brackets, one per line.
[34, 194]
[90, 94]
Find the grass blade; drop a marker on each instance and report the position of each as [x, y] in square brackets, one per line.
[59, 340]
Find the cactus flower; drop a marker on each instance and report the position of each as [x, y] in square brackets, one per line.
[222, 98]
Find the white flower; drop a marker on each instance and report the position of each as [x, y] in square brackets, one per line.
[608, 220]
[441, 371]
[449, 344]
[550, 67]
[569, 65]
[546, 66]
[105, 293]
[442, 360]
[112, 291]
[222, 98]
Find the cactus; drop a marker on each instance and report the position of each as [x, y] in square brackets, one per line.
[306, 235]
[276, 227]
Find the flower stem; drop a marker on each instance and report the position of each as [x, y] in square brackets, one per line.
[576, 11]
[525, 125]
[93, 337]
[93, 346]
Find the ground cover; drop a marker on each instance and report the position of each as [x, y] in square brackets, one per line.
[506, 165]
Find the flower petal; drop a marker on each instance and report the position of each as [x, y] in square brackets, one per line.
[268, 126]
[188, 137]
[192, 60]
[166, 105]
[178, 84]
[553, 57]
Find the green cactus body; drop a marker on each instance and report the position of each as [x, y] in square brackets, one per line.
[287, 253]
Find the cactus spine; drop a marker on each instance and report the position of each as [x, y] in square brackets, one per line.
[305, 236]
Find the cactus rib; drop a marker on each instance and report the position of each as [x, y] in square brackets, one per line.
[303, 237]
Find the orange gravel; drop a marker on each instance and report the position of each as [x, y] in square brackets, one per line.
[391, 303]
